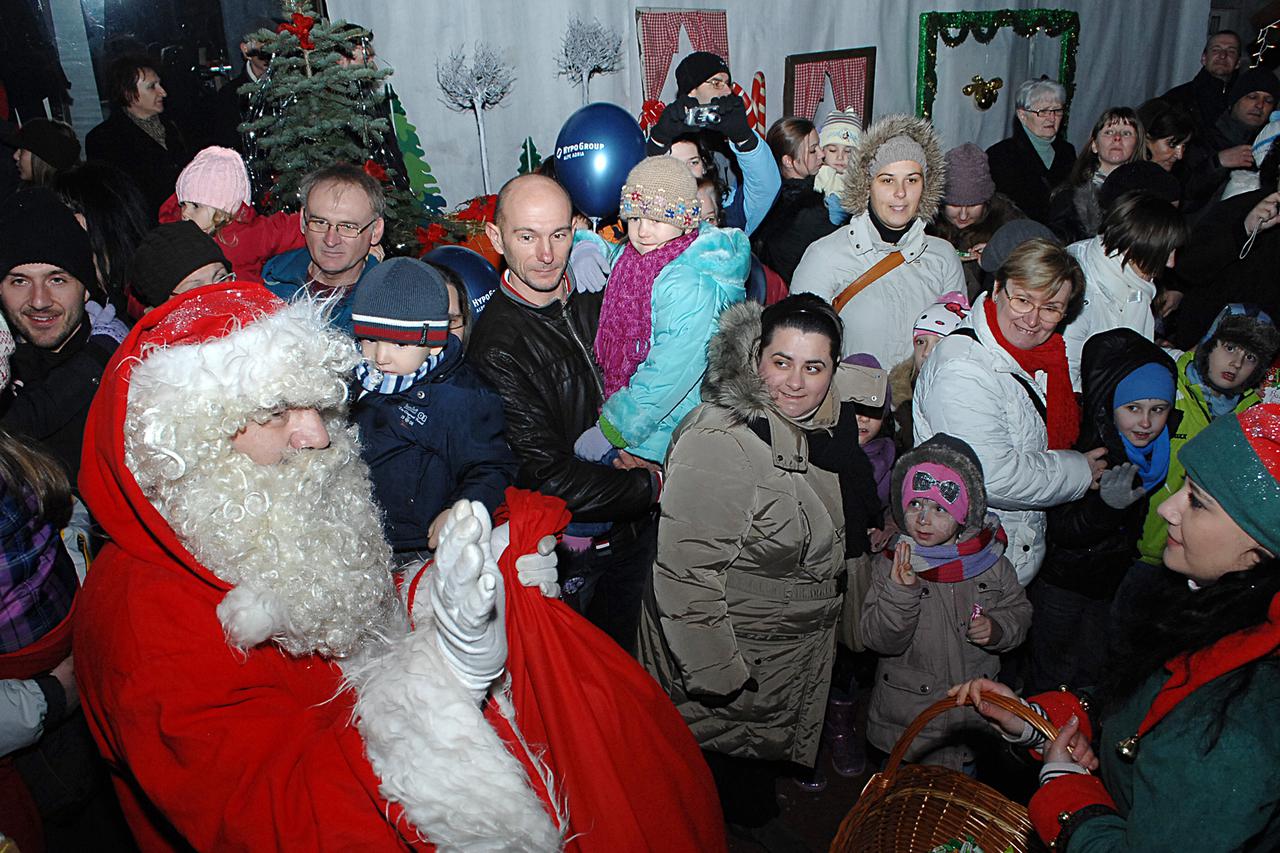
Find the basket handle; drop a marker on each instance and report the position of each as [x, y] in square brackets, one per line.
[1008, 703]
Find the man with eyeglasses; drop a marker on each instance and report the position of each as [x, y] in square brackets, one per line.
[342, 218]
[231, 106]
[1206, 94]
[707, 115]
[1035, 159]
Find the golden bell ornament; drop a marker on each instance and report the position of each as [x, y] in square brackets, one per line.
[1128, 748]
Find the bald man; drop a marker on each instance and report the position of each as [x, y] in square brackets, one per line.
[534, 344]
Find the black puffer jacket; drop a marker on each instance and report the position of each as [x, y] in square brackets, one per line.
[1091, 544]
[1020, 174]
[798, 217]
[540, 362]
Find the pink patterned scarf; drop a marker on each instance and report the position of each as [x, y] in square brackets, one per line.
[626, 320]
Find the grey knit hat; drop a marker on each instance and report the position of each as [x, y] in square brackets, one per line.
[1010, 236]
[402, 300]
[663, 189]
[900, 147]
[968, 176]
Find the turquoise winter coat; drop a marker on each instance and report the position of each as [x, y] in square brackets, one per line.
[688, 296]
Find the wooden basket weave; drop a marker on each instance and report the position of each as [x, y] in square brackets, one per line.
[916, 807]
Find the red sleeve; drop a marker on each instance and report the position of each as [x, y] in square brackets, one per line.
[1059, 706]
[236, 752]
[1062, 797]
[249, 245]
[170, 211]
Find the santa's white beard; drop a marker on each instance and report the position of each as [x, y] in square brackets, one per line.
[301, 541]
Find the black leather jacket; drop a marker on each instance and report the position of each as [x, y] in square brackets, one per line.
[540, 361]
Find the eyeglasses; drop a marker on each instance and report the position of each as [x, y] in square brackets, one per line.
[1021, 306]
[455, 322]
[1049, 112]
[718, 82]
[347, 230]
[224, 277]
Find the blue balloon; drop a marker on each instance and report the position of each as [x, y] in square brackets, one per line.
[597, 146]
[477, 274]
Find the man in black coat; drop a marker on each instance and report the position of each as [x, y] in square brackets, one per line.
[1205, 95]
[231, 106]
[534, 344]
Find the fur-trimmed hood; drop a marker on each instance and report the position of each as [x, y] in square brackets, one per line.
[1245, 326]
[857, 182]
[943, 449]
[731, 381]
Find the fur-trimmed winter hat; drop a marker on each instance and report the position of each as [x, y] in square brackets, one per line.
[907, 137]
[216, 177]
[954, 454]
[841, 127]
[1246, 326]
[219, 356]
[402, 300]
[663, 189]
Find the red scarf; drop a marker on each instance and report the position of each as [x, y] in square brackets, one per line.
[1062, 415]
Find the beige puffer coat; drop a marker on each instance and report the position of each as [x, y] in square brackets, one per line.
[750, 572]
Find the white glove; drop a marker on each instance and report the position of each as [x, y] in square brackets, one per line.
[538, 569]
[468, 600]
[1116, 486]
[590, 267]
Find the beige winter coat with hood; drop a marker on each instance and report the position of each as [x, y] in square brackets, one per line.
[750, 573]
[880, 318]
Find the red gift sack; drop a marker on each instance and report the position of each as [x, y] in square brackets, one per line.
[622, 758]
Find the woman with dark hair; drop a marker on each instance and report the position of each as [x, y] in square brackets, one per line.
[43, 147]
[137, 138]
[1189, 752]
[1168, 126]
[1117, 138]
[112, 209]
[799, 215]
[1137, 242]
[766, 497]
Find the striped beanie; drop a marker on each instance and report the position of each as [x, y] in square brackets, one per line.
[1236, 459]
[404, 301]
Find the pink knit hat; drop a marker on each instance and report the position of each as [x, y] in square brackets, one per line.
[215, 177]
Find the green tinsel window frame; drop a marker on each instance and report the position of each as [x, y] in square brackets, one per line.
[983, 26]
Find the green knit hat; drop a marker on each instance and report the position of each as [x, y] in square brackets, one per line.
[1236, 459]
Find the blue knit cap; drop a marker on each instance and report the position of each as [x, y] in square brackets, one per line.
[1152, 381]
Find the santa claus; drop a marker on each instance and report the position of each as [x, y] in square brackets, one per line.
[243, 613]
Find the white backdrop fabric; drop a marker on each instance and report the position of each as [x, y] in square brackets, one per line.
[1129, 51]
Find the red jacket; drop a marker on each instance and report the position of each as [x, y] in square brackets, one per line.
[209, 748]
[249, 240]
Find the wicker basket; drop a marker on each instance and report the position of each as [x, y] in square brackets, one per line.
[916, 807]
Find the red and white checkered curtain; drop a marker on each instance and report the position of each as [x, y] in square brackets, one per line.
[660, 36]
[848, 84]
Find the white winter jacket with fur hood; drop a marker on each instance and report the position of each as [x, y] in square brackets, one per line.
[967, 389]
[879, 320]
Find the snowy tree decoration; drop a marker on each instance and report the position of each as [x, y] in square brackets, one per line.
[478, 86]
[588, 49]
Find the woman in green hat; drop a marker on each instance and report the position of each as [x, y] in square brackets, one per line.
[1188, 746]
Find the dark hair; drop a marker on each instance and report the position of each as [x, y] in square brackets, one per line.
[453, 280]
[786, 137]
[1087, 163]
[1175, 619]
[1166, 120]
[709, 168]
[347, 175]
[1145, 230]
[115, 212]
[26, 469]
[1216, 33]
[803, 312]
[708, 182]
[122, 77]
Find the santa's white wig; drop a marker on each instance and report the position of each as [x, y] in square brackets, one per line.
[301, 541]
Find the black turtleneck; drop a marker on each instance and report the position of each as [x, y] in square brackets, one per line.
[887, 234]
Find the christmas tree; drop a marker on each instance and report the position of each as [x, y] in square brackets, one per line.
[323, 101]
[530, 159]
[422, 183]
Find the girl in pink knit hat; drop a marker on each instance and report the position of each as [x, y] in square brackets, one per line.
[213, 192]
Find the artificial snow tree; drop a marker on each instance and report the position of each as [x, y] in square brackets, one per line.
[588, 49]
[322, 102]
[479, 85]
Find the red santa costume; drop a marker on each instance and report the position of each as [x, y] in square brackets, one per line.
[216, 625]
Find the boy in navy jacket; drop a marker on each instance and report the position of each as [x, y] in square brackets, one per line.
[431, 429]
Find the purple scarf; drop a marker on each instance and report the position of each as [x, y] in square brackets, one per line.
[626, 321]
[881, 452]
